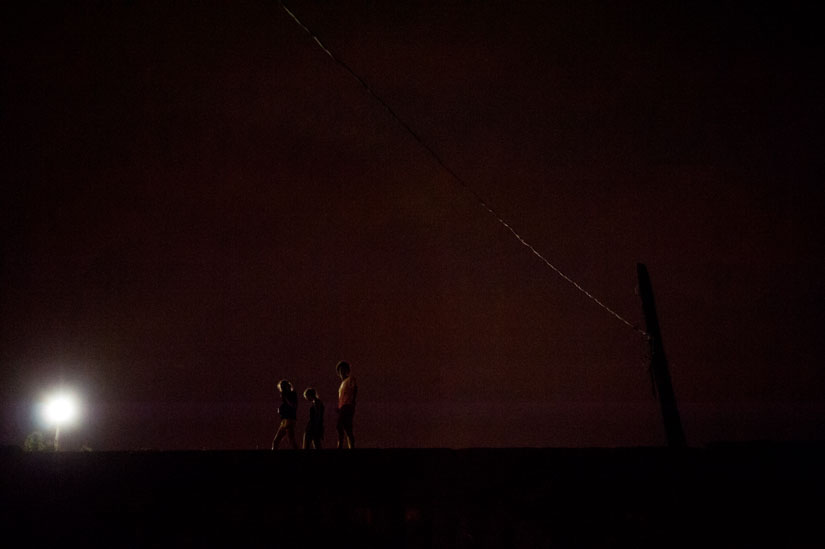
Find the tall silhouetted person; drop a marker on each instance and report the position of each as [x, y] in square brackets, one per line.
[314, 434]
[288, 410]
[347, 393]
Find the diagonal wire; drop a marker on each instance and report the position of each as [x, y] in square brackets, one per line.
[455, 176]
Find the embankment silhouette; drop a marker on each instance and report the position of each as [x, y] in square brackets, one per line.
[752, 495]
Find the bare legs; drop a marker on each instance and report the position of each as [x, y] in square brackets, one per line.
[287, 428]
[310, 443]
[342, 434]
[344, 426]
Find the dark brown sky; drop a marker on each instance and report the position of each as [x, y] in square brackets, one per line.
[198, 202]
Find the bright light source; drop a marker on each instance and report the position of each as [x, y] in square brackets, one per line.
[60, 409]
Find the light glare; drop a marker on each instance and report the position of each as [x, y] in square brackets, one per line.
[60, 409]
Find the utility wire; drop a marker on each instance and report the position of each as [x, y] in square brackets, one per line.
[455, 176]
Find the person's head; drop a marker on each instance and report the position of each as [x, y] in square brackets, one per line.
[284, 385]
[310, 394]
[343, 369]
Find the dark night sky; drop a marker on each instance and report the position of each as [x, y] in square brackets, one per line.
[198, 202]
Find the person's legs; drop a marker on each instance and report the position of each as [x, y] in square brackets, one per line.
[314, 441]
[291, 434]
[279, 435]
[345, 427]
[339, 426]
[348, 431]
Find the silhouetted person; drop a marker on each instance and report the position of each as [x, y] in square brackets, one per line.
[347, 392]
[288, 410]
[314, 434]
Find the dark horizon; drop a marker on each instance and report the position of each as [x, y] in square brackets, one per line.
[198, 202]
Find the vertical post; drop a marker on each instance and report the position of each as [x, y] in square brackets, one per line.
[658, 363]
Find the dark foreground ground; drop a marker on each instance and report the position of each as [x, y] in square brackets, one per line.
[726, 496]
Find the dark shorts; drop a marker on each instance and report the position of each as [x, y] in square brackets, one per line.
[345, 415]
[314, 432]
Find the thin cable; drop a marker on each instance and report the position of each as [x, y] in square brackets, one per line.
[455, 176]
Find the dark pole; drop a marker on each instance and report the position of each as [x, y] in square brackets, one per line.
[658, 363]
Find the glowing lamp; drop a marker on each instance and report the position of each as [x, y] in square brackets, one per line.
[59, 410]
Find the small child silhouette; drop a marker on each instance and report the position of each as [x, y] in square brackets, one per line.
[288, 410]
[314, 434]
